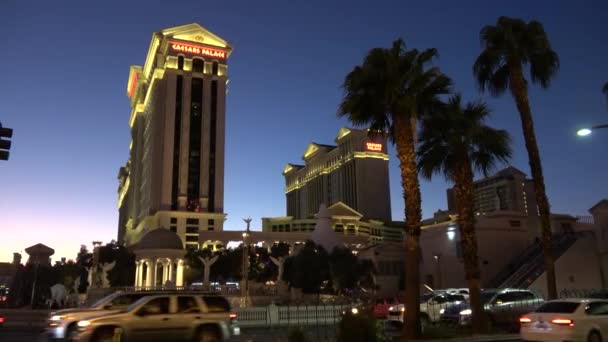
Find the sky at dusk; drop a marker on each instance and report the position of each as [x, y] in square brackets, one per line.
[64, 68]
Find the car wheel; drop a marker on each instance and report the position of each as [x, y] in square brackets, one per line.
[594, 336]
[107, 335]
[424, 323]
[208, 335]
[70, 332]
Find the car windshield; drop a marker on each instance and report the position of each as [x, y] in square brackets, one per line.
[105, 300]
[136, 304]
[425, 297]
[558, 307]
[486, 296]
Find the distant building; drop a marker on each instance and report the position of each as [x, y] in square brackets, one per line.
[174, 177]
[7, 273]
[354, 172]
[39, 254]
[507, 190]
[510, 253]
[345, 221]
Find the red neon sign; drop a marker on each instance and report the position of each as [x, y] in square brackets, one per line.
[373, 146]
[133, 84]
[198, 50]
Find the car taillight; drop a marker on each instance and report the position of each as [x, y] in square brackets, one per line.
[233, 315]
[1, 319]
[563, 321]
[524, 320]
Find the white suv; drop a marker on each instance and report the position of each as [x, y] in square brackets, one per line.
[62, 323]
[430, 311]
[166, 317]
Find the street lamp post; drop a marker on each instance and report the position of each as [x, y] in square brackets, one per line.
[588, 130]
[245, 289]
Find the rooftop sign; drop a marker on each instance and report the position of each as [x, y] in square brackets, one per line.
[198, 50]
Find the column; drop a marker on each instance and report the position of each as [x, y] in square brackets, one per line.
[170, 271]
[164, 267]
[154, 273]
[150, 267]
[179, 277]
[138, 269]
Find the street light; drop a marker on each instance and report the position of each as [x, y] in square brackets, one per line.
[583, 132]
[246, 235]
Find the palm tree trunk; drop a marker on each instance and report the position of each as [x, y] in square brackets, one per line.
[463, 180]
[404, 141]
[520, 93]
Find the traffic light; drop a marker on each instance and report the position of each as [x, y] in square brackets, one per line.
[5, 145]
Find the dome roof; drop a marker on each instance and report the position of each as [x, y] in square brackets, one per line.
[160, 238]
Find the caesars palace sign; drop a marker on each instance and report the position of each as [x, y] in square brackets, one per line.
[198, 50]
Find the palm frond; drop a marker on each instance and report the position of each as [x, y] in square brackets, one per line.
[457, 133]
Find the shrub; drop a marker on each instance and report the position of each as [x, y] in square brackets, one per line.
[297, 335]
[357, 328]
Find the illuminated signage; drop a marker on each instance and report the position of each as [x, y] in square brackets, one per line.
[133, 84]
[373, 146]
[198, 50]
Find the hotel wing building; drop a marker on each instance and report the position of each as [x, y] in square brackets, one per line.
[354, 172]
[174, 177]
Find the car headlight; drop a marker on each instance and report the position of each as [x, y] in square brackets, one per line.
[354, 311]
[83, 324]
[403, 309]
[391, 308]
[56, 318]
[441, 311]
[465, 312]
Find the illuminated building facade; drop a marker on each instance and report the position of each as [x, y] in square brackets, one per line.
[354, 172]
[174, 177]
[346, 222]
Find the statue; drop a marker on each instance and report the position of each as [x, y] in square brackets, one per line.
[58, 296]
[280, 262]
[207, 262]
[105, 268]
[97, 276]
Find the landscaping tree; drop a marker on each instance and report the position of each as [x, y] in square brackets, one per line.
[123, 272]
[84, 259]
[309, 269]
[456, 142]
[509, 47]
[388, 92]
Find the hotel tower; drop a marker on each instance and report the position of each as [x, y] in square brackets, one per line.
[174, 177]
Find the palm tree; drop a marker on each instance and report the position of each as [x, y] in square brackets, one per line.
[456, 142]
[387, 92]
[508, 47]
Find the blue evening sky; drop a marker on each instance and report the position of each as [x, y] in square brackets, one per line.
[64, 67]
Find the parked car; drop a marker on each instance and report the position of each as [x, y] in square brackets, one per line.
[503, 307]
[430, 311]
[567, 320]
[62, 323]
[166, 317]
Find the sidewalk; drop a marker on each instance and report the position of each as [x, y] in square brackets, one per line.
[477, 338]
